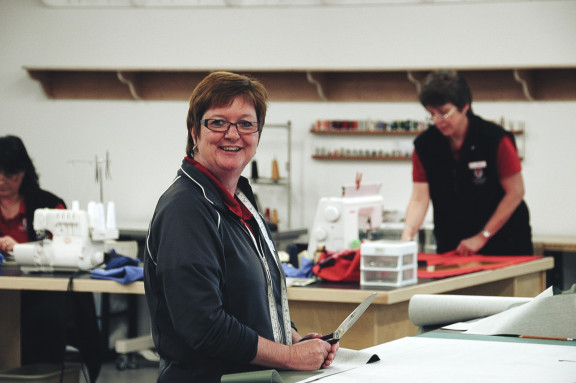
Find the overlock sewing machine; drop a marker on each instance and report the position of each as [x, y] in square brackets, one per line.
[69, 240]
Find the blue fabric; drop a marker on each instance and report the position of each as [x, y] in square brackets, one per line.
[124, 274]
[1, 258]
[305, 270]
[120, 261]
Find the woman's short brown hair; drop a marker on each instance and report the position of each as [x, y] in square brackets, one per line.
[221, 89]
[445, 86]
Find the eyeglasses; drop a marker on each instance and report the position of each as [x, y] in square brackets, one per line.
[434, 116]
[222, 126]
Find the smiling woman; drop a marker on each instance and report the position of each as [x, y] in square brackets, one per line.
[214, 284]
[224, 151]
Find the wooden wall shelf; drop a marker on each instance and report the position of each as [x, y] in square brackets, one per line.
[550, 84]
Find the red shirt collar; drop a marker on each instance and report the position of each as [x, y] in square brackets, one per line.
[229, 200]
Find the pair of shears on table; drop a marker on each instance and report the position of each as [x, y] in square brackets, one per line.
[335, 336]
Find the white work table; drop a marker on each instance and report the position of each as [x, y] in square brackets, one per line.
[446, 358]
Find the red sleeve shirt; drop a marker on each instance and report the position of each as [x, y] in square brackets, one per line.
[508, 162]
[17, 227]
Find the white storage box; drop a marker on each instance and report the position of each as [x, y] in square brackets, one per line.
[388, 263]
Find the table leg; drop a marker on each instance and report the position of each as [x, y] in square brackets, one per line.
[9, 329]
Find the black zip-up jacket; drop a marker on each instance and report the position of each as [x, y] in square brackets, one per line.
[466, 191]
[205, 285]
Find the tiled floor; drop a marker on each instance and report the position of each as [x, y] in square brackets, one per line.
[143, 374]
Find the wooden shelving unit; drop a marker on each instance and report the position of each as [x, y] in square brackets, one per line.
[355, 132]
[505, 84]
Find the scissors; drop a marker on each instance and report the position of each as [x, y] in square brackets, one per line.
[335, 336]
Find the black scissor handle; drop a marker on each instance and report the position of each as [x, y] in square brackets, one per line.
[328, 338]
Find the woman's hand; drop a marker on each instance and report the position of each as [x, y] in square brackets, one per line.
[331, 354]
[7, 244]
[306, 355]
[472, 245]
[312, 354]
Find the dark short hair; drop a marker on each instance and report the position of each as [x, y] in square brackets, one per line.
[221, 89]
[445, 86]
[14, 158]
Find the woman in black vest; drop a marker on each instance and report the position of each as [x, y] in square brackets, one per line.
[470, 170]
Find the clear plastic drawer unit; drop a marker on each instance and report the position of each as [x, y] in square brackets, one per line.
[388, 263]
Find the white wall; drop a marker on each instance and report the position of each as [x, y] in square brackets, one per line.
[146, 138]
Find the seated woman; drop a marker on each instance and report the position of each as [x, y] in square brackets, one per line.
[50, 319]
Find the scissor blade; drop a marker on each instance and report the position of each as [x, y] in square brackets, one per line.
[353, 317]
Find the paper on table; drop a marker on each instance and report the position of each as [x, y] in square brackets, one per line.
[547, 315]
[430, 310]
[434, 360]
[345, 360]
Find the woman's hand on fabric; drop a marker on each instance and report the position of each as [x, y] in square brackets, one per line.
[471, 246]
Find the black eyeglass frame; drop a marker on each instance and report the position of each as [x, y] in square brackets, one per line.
[206, 121]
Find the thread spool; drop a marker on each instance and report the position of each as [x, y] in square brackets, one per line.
[111, 216]
[254, 174]
[267, 214]
[100, 217]
[275, 217]
[275, 171]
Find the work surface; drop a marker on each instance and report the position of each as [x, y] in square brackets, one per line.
[11, 278]
[316, 308]
[446, 358]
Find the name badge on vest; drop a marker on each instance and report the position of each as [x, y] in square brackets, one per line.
[477, 167]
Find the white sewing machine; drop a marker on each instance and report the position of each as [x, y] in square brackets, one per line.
[78, 239]
[338, 220]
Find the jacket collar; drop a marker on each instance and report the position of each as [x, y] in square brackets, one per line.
[213, 190]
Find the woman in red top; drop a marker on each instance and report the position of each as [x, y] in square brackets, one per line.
[469, 169]
[20, 194]
[50, 319]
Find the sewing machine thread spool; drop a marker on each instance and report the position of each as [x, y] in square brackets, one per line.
[99, 217]
[275, 170]
[254, 174]
[111, 216]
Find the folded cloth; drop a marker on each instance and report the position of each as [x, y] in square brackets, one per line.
[124, 274]
[117, 261]
[305, 271]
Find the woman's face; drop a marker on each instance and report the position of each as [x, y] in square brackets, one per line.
[10, 184]
[226, 154]
[448, 119]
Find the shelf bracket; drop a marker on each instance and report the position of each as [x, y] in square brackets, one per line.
[317, 84]
[524, 78]
[414, 81]
[131, 87]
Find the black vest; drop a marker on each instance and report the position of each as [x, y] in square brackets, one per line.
[465, 192]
